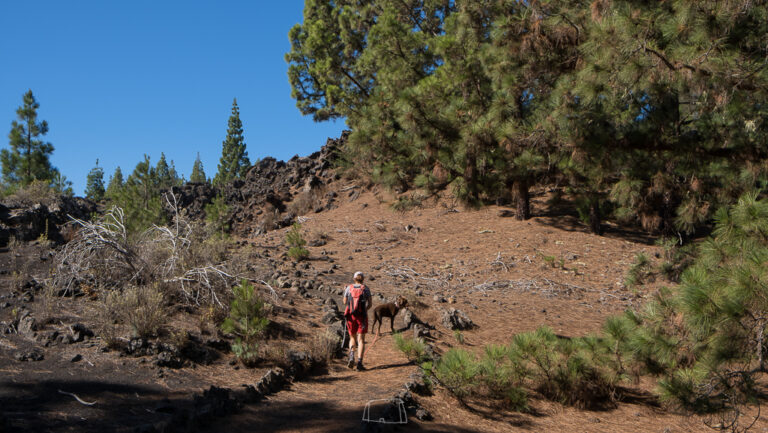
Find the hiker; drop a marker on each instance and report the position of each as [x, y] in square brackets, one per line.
[357, 300]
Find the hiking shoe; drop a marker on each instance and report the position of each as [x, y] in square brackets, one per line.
[351, 361]
[360, 366]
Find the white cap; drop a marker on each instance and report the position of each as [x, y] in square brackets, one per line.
[358, 274]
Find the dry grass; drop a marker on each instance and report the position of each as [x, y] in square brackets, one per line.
[324, 346]
[270, 218]
[141, 308]
[36, 192]
[306, 201]
[13, 245]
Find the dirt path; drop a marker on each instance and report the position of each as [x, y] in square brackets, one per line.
[329, 403]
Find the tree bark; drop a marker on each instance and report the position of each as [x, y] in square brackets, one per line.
[470, 177]
[522, 200]
[595, 222]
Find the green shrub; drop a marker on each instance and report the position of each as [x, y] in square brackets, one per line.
[675, 258]
[639, 271]
[709, 334]
[457, 370]
[406, 203]
[296, 243]
[565, 370]
[501, 376]
[413, 349]
[217, 214]
[247, 321]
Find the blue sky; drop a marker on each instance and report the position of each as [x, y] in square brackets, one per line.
[116, 80]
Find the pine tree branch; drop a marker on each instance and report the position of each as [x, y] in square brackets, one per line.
[345, 72]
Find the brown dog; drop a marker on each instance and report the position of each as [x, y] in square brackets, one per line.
[390, 310]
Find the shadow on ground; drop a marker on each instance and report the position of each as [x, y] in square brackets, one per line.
[315, 416]
[41, 407]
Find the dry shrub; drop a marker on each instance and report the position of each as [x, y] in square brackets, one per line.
[247, 261]
[209, 319]
[324, 346]
[51, 302]
[108, 323]
[318, 238]
[305, 202]
[214, 249]
[105, 254]
[276, 352]
[270, 218]
[36, 192]
[142, 308]
[14, 245]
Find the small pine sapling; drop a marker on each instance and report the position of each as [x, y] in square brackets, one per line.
[296, 243]
[413, 349]
[247, 321]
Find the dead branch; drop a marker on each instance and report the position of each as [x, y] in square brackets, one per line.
[79, 400]
[275, 296]
[203, 276]
[499, 261]
[102, 254]
[101, 247]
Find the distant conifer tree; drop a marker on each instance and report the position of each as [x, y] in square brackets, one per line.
[198, 174]
[61, 184]
[176, 180]
[27, 159]
[140, 199]
[94, 188]
[234, 160]
[115, 184]
[162, 173]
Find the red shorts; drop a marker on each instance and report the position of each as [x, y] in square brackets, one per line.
[357, 324]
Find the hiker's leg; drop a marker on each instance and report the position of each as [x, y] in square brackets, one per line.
[352, 328]
[360, 347]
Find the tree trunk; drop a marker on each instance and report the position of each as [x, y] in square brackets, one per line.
[470, 177]
[667, 215]
[522, 200]
[595, 225]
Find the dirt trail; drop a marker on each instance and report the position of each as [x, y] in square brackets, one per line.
[325, 403]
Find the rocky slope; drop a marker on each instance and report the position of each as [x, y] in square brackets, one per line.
[26, 219]
[273, 192]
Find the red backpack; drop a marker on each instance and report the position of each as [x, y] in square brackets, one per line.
[355, 300]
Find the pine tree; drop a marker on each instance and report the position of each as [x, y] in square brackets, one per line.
[234, 162]
[707, 338]
[94, 188]
[115, 184]
[176, 180]
[61, 184]
[656, 100]
[162, 172]
[28, 157]
[198, 174]
[325, 78]
[140, 198]
[649, 110]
